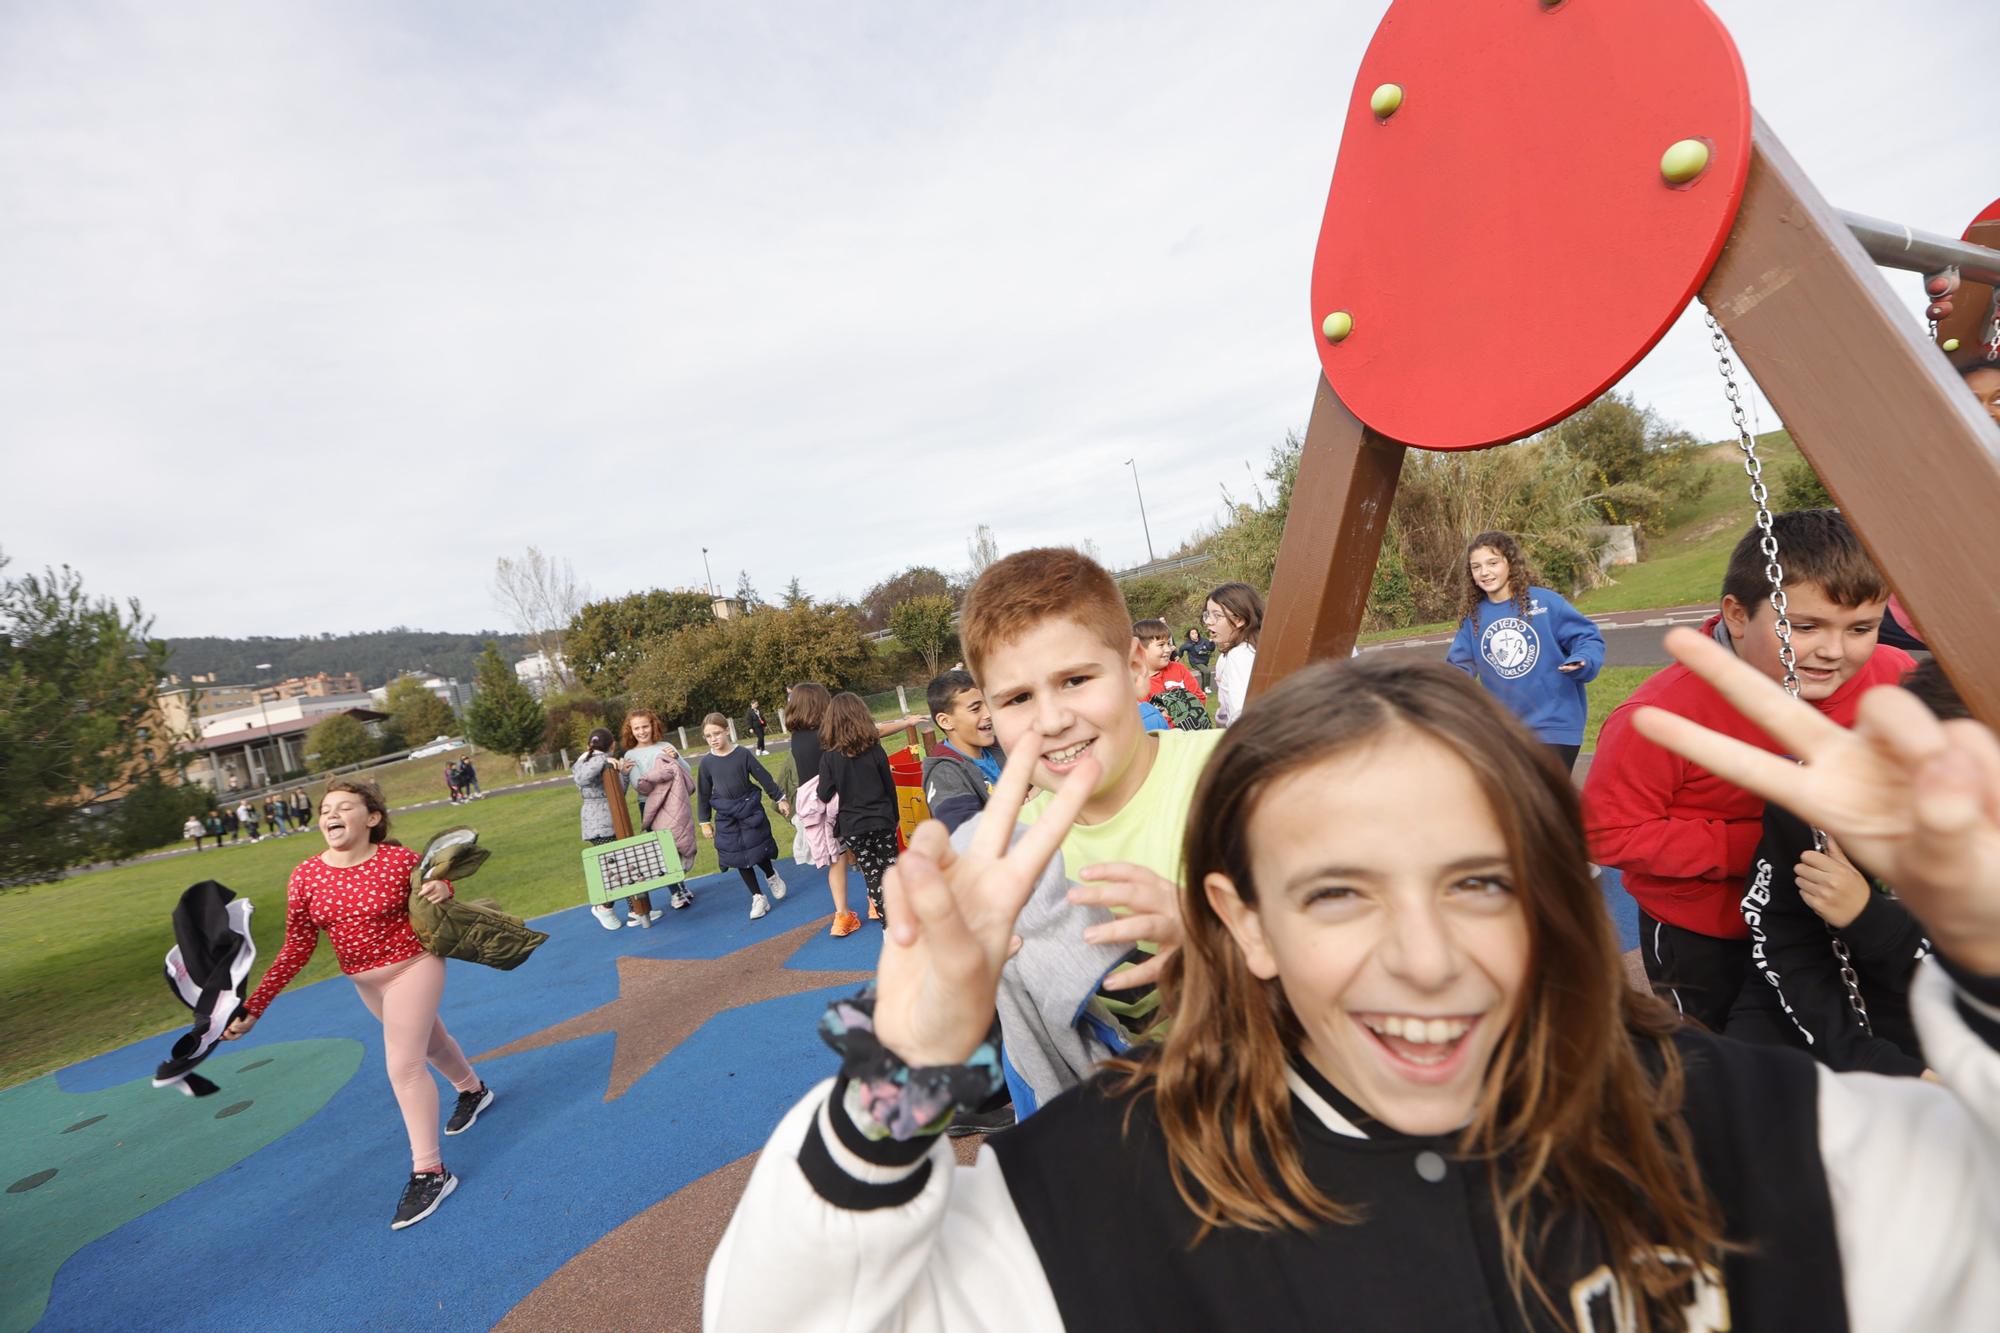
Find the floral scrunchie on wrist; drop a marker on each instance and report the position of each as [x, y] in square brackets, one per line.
[886, 1098]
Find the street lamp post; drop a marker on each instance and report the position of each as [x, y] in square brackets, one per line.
[709, 572]
[265, 717]
[1144, 526]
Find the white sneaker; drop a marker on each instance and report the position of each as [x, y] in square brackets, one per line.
[605, 916]
[759, 905]
[640, 921]
[777, 888]
[655, 914]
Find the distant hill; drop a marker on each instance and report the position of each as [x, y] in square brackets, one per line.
[376, 657]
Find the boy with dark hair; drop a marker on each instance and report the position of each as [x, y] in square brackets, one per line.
[959, 774]
[1171, 688]
[1049, 640]
[1682, 837]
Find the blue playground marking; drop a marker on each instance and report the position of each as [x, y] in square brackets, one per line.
[1624, 911]
[303, 1224]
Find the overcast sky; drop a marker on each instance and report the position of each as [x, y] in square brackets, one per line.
[308, 312]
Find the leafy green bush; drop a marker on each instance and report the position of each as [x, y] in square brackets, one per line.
[924, 626]
[1799, 487]
[572, 717]
[337, 741]
[724, 666]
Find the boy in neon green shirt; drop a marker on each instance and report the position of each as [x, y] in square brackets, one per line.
[1047, 636]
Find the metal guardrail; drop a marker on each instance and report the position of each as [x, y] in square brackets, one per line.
[1164, 566]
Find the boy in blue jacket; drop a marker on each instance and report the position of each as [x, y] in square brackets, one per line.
[959, 774]
[1526, 644]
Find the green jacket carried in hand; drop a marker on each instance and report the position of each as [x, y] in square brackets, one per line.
[476, 930]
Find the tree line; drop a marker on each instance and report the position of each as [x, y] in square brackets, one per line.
[377, 656]
[77, 673]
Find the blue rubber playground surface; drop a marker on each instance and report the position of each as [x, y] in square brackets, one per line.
[626, 1068]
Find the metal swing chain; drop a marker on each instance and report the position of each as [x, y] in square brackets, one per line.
[1774, 571]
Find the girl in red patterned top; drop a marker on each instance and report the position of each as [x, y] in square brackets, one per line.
[357, 891]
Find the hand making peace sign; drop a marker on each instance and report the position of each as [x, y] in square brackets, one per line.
[1914, 799]
[951, 916]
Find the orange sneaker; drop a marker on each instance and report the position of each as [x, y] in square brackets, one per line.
[845, 923]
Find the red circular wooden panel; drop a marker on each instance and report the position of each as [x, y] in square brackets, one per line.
[1971, 304]
[1504, 241]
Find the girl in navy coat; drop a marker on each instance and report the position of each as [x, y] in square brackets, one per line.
[732, 814]
[1526, 644]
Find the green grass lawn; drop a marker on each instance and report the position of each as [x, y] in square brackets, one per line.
[1611, 688]
[1683, 566]
[80, 958]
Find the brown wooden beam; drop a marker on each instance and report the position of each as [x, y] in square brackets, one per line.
[1904, 448]
[1333, 534]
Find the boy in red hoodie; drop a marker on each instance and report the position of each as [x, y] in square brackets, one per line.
[1683, 838]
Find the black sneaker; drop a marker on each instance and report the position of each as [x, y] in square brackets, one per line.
[470, 1104]
[422, 1195]
[681, 899]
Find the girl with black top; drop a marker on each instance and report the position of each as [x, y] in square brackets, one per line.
[1800, 903]
[732, 813]
[1407, 1084]
[855, 768]
[806, 705]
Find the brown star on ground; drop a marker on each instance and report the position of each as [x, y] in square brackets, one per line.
[661, 1001]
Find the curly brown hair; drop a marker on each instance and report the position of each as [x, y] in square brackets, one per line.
[626, 740]
[1519, 574]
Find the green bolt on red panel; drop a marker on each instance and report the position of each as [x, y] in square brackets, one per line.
[1505, 243]
[1968, 325]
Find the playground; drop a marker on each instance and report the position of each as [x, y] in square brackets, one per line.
[638, 1074]
[634, 1075]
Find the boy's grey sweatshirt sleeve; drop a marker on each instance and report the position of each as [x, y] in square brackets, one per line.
[1046, 1043]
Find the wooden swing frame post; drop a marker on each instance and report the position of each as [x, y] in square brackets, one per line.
[1874, 407]
[621, 810]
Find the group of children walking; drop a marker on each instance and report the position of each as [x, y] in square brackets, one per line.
[282, 813]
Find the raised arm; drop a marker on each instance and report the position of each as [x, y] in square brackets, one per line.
[854, 1200]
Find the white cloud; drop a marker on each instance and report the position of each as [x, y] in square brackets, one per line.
[342, 288]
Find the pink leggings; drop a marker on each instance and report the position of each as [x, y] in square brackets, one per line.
[405, 997]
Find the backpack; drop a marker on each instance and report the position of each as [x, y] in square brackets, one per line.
[1182, 710]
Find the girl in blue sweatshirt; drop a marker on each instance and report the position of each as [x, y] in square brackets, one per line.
[1527, 645]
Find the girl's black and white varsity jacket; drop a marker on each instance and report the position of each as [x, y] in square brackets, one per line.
[1863, 1202]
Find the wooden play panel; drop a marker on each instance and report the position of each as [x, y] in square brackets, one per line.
[1504, 241]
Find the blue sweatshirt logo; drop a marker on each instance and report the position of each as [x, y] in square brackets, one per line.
[1511, 647]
